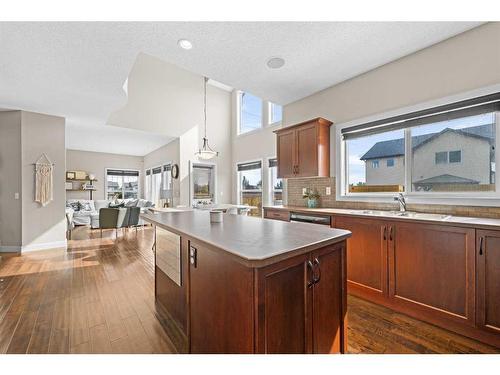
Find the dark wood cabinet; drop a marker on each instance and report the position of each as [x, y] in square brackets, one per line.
[329, 314]
[367, 266]
[301, 304]
[284, 307]
[432, 270]
[225, 326]
[303, 150]
[488, 280]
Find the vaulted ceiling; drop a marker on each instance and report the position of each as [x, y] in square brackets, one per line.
[79, 70]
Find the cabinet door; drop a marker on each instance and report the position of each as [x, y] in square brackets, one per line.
[432, 270]
[488, 280]
[329, 305]
[366, 256]
[286, 153]
[221, 300]
[307, 151]
[284, 307]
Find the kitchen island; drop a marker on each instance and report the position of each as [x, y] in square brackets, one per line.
[249, 285]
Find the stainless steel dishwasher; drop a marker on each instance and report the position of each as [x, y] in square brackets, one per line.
[311, 218]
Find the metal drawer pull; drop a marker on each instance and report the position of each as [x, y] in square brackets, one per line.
[385, 233]
[481, 240]
[310, 266]
[390, 234]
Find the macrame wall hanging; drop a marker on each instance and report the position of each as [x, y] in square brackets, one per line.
[44, 169]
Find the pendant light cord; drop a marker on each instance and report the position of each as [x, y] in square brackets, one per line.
[205, 104]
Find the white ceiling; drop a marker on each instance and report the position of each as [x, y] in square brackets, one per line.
[78, 70]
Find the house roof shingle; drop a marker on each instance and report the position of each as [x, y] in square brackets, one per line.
[395, 147]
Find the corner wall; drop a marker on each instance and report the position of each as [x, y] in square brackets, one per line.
[10, 181]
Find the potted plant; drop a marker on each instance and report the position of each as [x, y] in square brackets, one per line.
[312, 196]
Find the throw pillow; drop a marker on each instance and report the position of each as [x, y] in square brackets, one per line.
[117, 205]
[85, 206]
[73, 205]
[148, 204]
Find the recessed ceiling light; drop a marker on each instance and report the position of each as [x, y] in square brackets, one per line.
[185, 44]
[275, 62]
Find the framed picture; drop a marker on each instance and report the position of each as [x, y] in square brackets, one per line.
[70, 175]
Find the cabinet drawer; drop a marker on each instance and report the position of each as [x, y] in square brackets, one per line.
[277, 215]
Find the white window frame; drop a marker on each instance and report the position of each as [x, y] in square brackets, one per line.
[139, 185]
[270, 186]
[266, 116]
[270, 116]
[444, 198]
[238, 182]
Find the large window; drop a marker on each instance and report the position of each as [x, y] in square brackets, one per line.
[454, 156]
[203, 182]
[376, 162]
[250, 186]
[158, 185]
[250, 112]
[275, 113]
[275, 184]
[445, 150]
[122, 184]
[255, 113]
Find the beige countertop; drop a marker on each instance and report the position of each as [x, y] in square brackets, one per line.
[255, 240]
[464, 221]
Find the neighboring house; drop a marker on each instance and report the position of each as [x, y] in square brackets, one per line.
[452, 156]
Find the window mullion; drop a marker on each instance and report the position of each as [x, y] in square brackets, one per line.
[408, 161]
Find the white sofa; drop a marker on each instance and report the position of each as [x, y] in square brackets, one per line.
[86, 212]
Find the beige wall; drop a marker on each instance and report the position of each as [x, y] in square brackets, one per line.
[96, 163]
[465, 62]
[43, 226]
[25, 224]
[10, 180]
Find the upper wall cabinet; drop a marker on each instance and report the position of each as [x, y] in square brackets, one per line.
[303, 150]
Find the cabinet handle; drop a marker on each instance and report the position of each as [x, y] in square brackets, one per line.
[297, 169]
[385, 233]
[390, 233]
[310, 266]
[317, 264]
[481, 240]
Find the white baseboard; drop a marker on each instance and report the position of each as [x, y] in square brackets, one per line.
[45, 246]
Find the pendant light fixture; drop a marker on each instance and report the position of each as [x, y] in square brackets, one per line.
[206, 152]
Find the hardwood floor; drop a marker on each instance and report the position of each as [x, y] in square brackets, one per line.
[95, 298]
[98, 297]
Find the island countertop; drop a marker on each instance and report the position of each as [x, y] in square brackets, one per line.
[253, 240]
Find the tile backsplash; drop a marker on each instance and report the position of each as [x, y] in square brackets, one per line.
[294, 198]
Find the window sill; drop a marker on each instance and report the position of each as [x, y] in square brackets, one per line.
[256, 131]
[434, 199]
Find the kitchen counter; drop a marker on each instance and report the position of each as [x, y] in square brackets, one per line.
[250, 285]
[460, 221]
[254, 240]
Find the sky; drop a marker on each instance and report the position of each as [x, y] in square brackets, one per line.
[251, 112]
[358, 147]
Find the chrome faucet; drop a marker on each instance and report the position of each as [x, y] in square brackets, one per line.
[402, 202]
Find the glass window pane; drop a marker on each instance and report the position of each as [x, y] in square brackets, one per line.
[250, 112]
[276, 183]
[376, 163]
[202, 179]
[250, 186]
[276, 113]
[454, 156]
